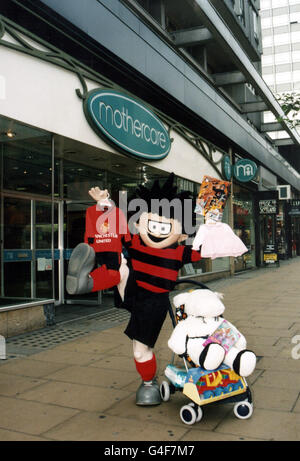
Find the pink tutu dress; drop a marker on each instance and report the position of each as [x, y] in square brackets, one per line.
[218, 240]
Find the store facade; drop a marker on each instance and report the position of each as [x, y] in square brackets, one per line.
[51, 155]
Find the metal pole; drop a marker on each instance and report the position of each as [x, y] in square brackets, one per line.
[231, 218]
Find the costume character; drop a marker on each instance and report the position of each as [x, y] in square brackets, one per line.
[156, 257]
[215, 238]
[106, 231]
[206, 338]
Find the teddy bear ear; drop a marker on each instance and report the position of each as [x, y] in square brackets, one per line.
[219, 295]
[180, 299]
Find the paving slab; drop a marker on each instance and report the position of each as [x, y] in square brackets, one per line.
[78, 382]
[31, 418]
[102, 427]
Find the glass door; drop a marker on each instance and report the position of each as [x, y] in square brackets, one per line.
[16, 286]
[268, 241]
[30, 250]
[46, 253]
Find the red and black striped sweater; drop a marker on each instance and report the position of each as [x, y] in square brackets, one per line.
[156, 269]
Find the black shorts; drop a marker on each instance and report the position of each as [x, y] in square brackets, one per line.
[147, 316]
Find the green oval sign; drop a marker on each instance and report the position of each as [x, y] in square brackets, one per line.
[227, 167]
[127, 123]
[244, 170]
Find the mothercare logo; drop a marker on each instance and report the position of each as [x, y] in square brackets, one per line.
[244, 170]
[127, 123]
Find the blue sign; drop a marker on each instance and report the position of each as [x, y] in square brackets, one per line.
[17, 255]
[244, 170]
[127, 123]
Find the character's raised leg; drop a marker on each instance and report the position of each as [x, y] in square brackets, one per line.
[148, 393]
[81, 280]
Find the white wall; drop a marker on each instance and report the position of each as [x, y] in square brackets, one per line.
[43, 95]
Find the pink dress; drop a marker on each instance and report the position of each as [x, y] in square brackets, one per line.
[218, 240]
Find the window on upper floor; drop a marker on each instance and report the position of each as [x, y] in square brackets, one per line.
[255, 25]
[239, 9]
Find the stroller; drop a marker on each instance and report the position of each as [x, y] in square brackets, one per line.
[201, 386]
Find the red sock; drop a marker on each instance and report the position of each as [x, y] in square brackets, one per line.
[147, 370]
[104, 278]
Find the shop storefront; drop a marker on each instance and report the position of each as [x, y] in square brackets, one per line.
[244, 173]
[244, 225]
[52, 154]
[282, 231]
[267, 205]
[293, 226]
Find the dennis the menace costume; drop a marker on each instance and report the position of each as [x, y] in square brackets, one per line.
[156, 257]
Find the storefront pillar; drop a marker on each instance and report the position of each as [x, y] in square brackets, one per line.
[231, 217]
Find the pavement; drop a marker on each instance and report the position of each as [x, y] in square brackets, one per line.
[76, 381]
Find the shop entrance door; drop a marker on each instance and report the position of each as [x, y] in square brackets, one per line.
[30, 249]
[268, 241]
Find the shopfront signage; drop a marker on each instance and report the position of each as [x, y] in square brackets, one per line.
[127, 123]
[244, 170]
[294, 207]
[270, 254]
[268, 206]
[227, 167]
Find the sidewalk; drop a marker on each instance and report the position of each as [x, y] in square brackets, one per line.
[84, 388]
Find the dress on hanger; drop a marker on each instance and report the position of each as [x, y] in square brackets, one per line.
[218, 240]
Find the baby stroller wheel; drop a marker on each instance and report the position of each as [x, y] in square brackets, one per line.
[198, 410]
[165, 391]
[188, 414]
[243, 410]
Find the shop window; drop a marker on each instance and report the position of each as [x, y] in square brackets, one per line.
[26, 218]
[244, 226]
[27, 158]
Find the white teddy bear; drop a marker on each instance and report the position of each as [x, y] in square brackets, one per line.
[206, 337]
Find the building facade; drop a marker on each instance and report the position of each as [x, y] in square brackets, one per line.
[195, 71]
[280, 23]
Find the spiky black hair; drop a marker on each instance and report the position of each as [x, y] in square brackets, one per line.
[157, 194]
[166, 191]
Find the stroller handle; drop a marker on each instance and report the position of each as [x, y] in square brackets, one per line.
[193, 282]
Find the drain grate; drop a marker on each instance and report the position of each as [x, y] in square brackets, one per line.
[49, 337]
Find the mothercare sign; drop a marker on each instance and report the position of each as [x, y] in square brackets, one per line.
[127, 123]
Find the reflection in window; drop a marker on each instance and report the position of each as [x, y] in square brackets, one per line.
[27, 158]
[17, 230]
